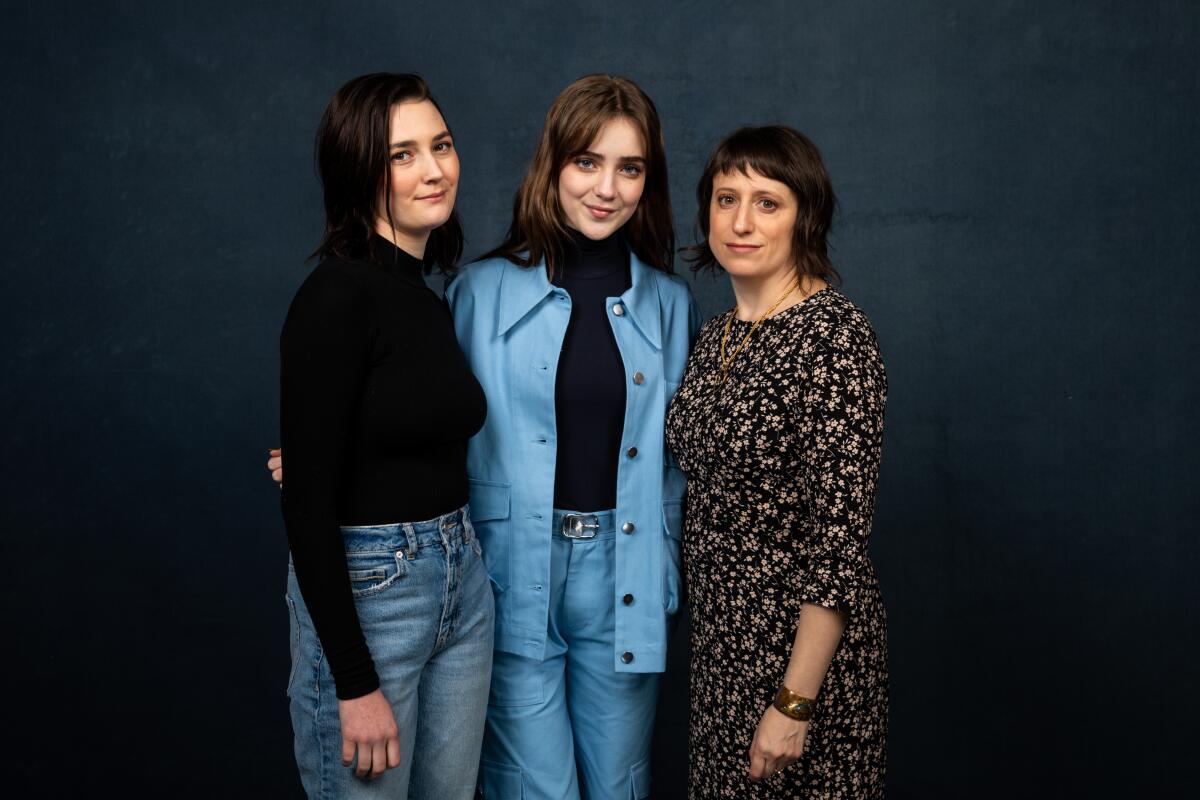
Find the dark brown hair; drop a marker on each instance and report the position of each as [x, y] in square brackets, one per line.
[352, 163]
[786, 155]
[574, 120]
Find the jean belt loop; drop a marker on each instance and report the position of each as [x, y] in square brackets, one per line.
[411, 535]
[468, 528]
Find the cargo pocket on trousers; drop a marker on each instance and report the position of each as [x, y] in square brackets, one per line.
[516, 680]
[294, 644]
[501, 781]
[639, 780]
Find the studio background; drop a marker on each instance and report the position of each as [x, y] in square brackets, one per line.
[1018, 203]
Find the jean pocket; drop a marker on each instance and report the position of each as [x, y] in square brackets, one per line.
[372, 572]
[294, 643]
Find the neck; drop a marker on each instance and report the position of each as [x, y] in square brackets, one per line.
[413, 244]
[756, 295]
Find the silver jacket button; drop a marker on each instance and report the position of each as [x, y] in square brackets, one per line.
[639, 378]
[619, 310]
[627, 527]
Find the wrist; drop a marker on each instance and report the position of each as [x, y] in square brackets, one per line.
[793, 705]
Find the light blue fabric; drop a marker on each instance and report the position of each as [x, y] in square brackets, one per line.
[426, 610]
[539, 709]
[511, 322]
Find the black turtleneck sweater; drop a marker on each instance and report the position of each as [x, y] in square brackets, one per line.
[376, 405]
[589, 393]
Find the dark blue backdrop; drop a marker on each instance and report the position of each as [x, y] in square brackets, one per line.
[1018, 185]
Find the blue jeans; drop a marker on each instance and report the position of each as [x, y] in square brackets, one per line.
[426, 609]
[570, 726]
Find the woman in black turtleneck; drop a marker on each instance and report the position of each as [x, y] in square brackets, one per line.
[390, 604]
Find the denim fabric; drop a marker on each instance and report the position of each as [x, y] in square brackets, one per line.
[426, 609]
[568, 726]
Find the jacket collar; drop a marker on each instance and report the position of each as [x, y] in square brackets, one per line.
[523, 288]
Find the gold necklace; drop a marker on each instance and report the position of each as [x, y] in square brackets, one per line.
[725, 362]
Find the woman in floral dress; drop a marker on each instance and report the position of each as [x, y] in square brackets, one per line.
[777, 424]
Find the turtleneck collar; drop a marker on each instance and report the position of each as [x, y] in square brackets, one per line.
[590, 258]
[397, 262]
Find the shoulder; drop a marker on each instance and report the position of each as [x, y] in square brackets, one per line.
[837, 335]
[334, 287]
[833, 318]
[478, 276]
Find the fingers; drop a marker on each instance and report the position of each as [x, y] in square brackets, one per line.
[379, 759]
[758, 765]
[277, 476]
[347, 752]
[393, 752]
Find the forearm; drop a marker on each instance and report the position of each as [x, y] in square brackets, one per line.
[818, 632]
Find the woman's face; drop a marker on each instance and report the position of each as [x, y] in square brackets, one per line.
[750, 223]
[423, 173]
[599, 189]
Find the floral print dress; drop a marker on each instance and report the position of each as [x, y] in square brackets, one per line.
[782, 461]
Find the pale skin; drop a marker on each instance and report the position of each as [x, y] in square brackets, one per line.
[423, 173]
[750, 219]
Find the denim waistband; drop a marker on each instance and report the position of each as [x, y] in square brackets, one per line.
[603, 518]
[450, 529]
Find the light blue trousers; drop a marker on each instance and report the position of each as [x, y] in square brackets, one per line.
[426, 610]
[570, 727]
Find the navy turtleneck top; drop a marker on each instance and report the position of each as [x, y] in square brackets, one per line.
[589, 393]
[376, 406]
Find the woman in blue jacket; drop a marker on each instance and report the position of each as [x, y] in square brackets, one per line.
[578, 333]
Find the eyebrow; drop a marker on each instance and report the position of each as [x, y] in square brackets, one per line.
[412, 142]
[597, 157]
[755, 193]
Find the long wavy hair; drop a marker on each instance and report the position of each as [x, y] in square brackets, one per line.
[352, 163]
[576, 117]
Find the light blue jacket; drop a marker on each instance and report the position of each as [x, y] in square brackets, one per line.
[511, 322]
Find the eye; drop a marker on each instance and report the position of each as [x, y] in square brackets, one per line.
[584, 163]
[632, 170]
[401, 156]
[443, 147]
[725, 200]
[768, 204]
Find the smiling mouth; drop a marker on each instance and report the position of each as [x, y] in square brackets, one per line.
[742, 248]
[433, 198]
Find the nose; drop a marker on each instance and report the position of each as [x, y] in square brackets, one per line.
[433, 170]
[742, 222]
[606, 186]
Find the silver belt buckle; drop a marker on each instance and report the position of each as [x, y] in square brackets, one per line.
[580, 526]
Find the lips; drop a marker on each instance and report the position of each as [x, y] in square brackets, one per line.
[600, 213]
[742, 248]
[433, 198]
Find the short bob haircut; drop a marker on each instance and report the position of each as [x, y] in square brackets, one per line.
[788, 156]
[575, 118]
[352, 162]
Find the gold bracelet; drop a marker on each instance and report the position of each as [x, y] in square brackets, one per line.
[793, 705]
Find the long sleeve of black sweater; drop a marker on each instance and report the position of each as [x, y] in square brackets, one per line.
[376, 406]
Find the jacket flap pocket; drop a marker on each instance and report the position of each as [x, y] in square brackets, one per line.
[490, 500]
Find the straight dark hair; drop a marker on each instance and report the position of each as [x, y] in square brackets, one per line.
[538, 229]
[352, 163]
[786, 155]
